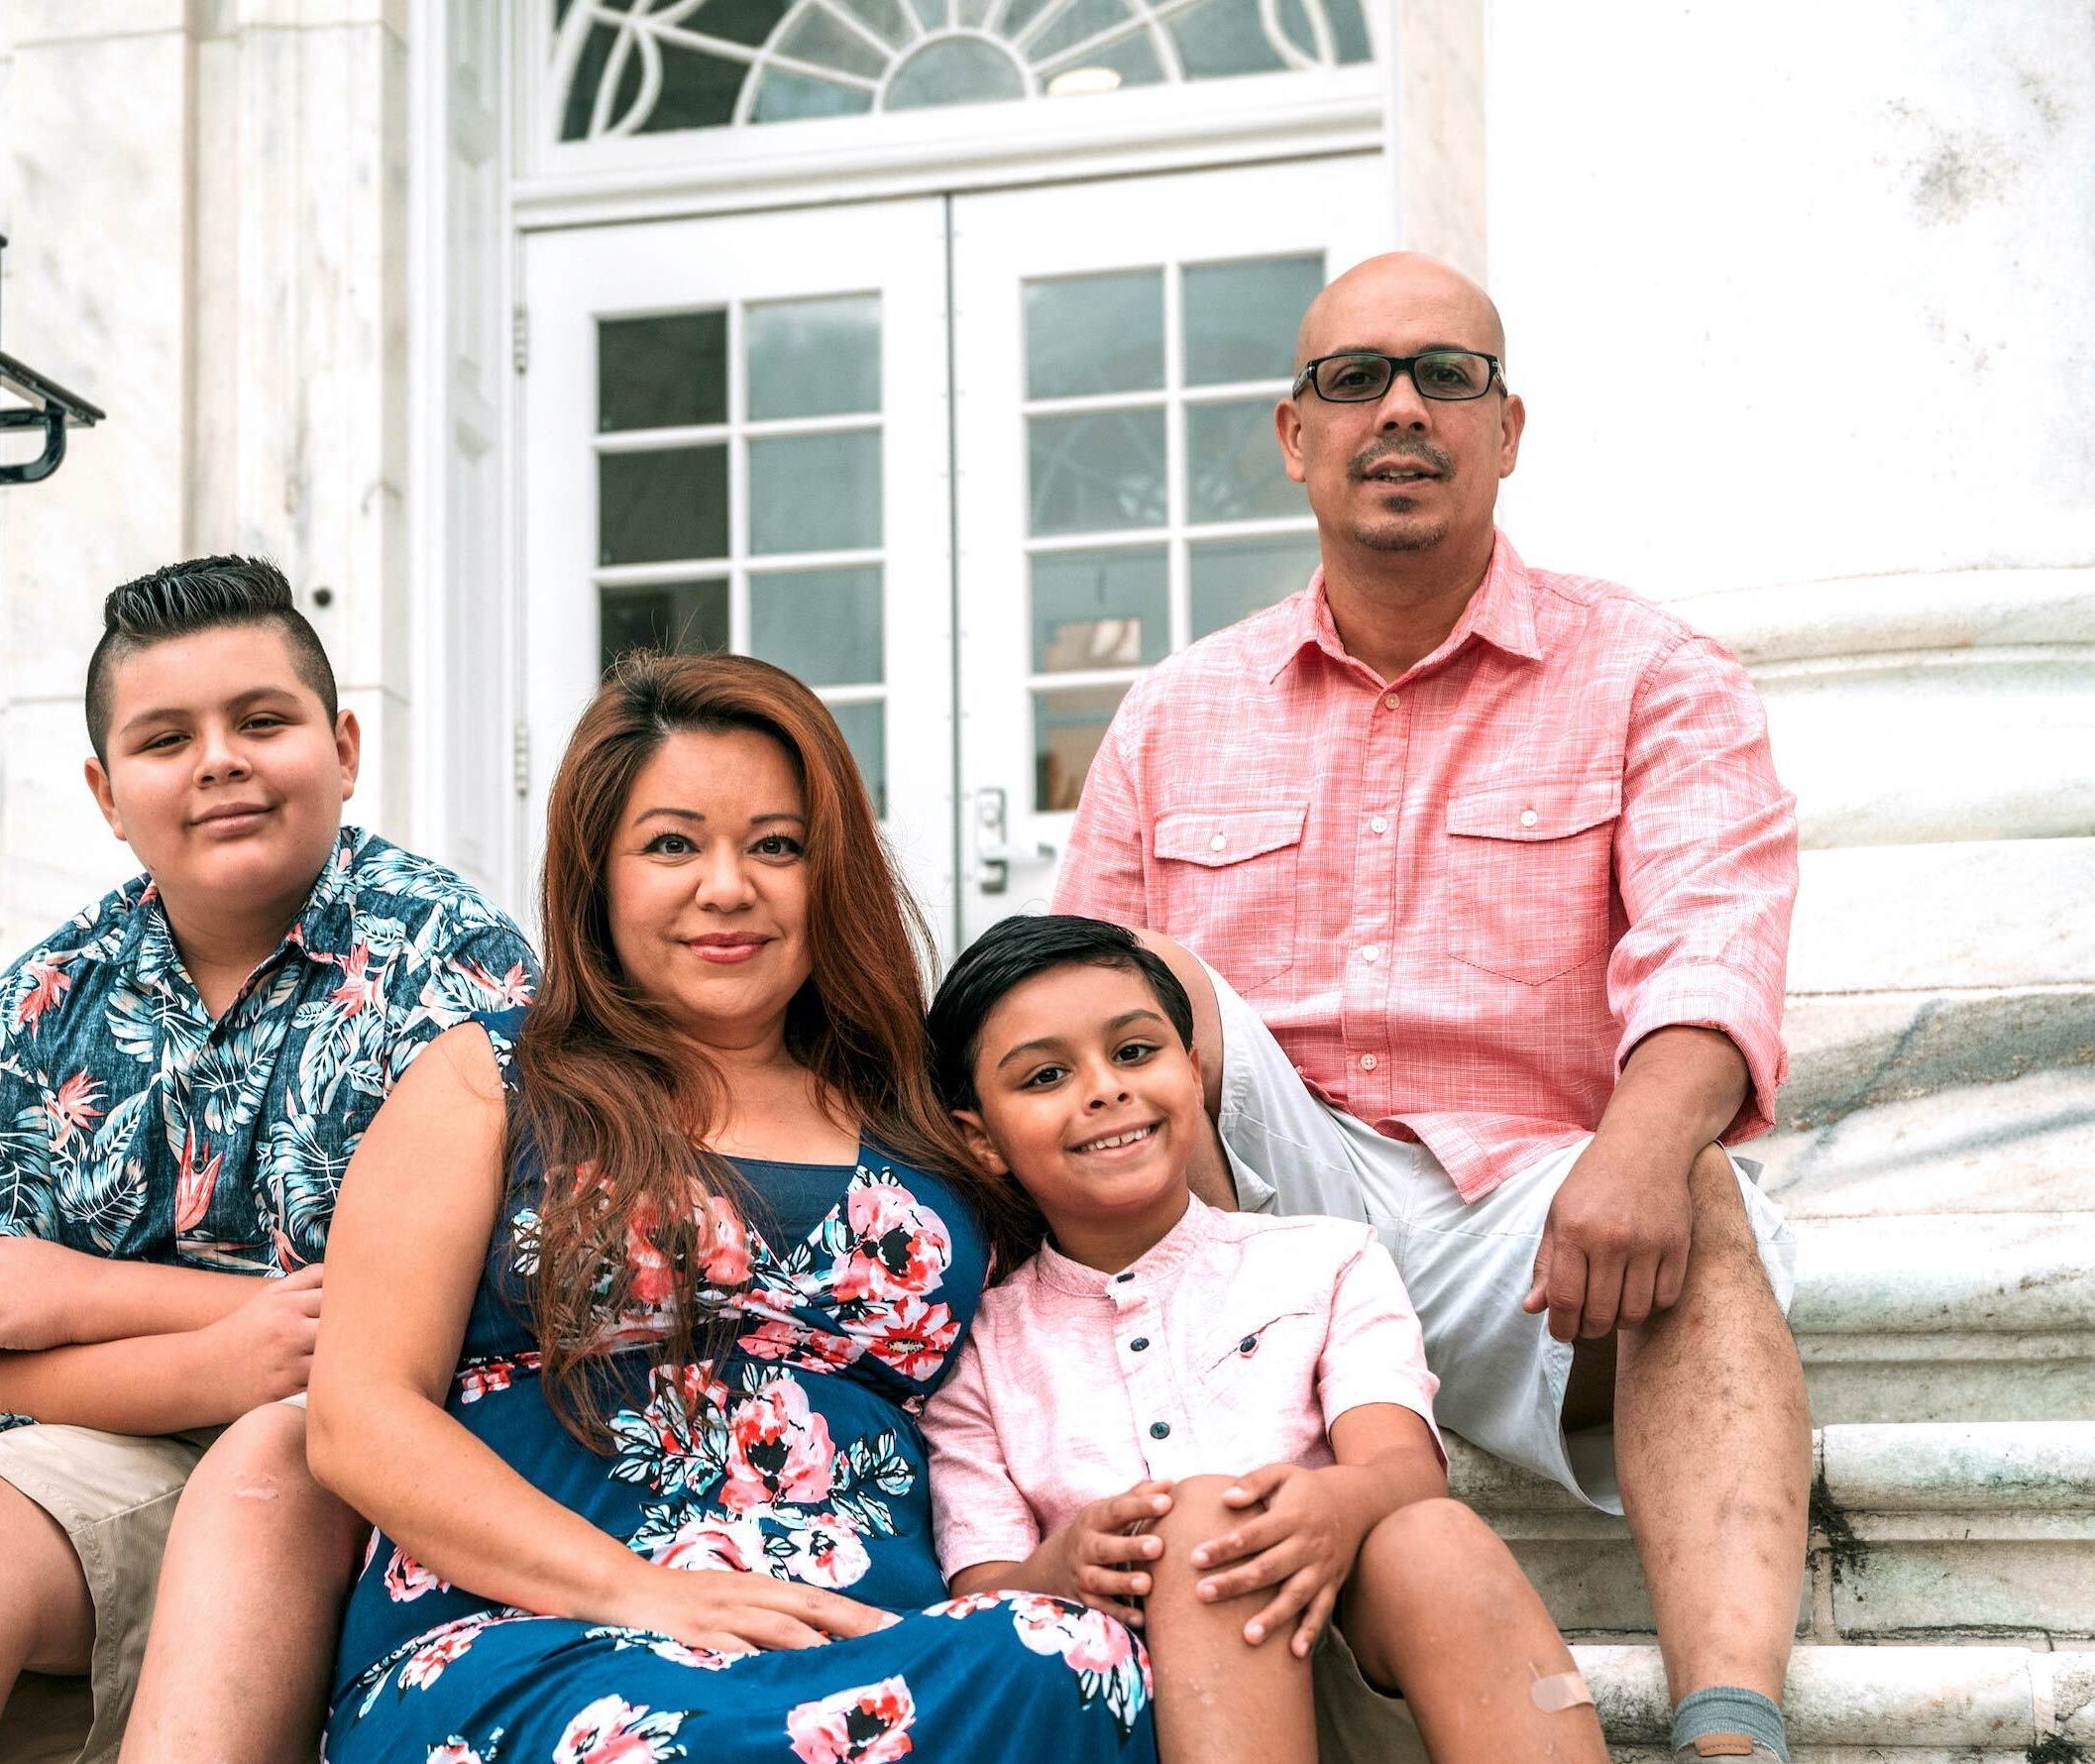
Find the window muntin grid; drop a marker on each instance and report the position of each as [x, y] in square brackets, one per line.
[1157, 506]
[723, 533]
[623, 67]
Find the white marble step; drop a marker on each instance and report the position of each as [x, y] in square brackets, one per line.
[1917, 967]
[1880, 1705]
[1947, 1317]
[1975, 1531]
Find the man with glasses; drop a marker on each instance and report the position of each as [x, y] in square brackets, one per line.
[1489, 876]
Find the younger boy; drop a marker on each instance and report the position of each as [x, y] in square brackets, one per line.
[185, 1067]
[1215, 1426]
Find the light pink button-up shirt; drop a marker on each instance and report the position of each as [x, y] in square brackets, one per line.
[1236, 1342]
[1460, 898]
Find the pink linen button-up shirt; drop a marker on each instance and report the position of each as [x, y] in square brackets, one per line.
[1460, 898]
[1235, 1341]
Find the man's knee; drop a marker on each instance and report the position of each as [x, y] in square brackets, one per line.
[1723, 1245]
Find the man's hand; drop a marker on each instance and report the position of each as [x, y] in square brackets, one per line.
[1087, 1559]
[1614, 1248]
[265, 1350]
[1304, 1542]
[40, 1291]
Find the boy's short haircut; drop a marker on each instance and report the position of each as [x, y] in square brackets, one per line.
[1011, 952]
[200, 595]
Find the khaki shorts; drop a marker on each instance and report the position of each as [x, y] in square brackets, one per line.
[115, 1497]
[1356, 1722]
[1466, 1264]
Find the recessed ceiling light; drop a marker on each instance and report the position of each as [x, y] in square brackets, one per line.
[1081, 82]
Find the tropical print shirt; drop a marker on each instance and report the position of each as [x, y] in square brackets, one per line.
[133, 1126]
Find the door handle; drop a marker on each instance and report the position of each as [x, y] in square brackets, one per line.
[994, 854]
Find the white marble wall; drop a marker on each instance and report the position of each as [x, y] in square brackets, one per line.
[207, 206]
[1847, 250]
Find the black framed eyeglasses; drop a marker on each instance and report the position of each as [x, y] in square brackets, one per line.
[1450, 375]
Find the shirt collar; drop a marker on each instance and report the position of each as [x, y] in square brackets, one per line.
[1155, 1267]
[1502, 612]
[325, 929]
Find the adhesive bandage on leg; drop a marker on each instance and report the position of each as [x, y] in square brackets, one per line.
[1566, 1689]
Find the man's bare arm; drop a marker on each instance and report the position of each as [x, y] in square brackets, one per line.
[1615, 1246]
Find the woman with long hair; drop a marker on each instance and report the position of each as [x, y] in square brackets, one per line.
[632, 1301]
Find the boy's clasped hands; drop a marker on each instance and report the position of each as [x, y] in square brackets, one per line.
[1302, 1531]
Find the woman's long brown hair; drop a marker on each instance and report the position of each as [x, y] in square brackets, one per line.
[613, 1089]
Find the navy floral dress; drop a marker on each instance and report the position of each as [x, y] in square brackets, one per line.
[801, 1459]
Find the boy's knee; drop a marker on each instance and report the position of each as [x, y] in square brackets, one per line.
[1429, 1539]
[259, 1458]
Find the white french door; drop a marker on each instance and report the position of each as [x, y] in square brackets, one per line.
[1118, 348]
[734, 437]
[766, 432]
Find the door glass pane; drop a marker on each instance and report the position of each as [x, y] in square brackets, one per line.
[955, 71]
[652, 372]
[662, 507]
[1235, 577]
[885, 16]
[865, 728]
[1068, 726]
[817, 36]
[1100, 609]
[787, 97]
[675, 617]
[1218, 38]
[1233, 464]
[821, 624]
[1241, 319]
[815, 358]
[1079, 21]
[814, 492]
[1096, 470]
[1089, 334]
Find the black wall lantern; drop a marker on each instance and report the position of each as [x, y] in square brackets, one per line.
[48, 406]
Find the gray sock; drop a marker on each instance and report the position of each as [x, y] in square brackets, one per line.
[1730, 1708]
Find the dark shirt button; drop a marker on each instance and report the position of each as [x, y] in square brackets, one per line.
[1159, 1429]
[1129, 1275]
[1246, 1344]
[1139, 1343]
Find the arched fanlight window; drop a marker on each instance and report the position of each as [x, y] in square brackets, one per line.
[651, 66]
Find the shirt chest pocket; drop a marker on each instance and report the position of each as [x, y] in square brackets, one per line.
[1260, 1368]
[1530, 876]
[1227, 882]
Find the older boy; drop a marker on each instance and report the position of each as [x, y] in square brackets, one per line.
[185, 1067]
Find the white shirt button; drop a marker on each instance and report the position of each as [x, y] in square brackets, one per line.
[1366, 1063]
[1374, 952]
[1528, 818]
[1217, 842]
[1380, 825]
[1390, 700]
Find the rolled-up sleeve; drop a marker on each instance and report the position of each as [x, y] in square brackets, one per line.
[1705, 861]
[1374, 1348]
[977, 1513]
[1102, 871]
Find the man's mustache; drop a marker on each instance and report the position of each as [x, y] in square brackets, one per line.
[1405, 447]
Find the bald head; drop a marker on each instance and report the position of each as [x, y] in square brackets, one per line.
[1438, 305]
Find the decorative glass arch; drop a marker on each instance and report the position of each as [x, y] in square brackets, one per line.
[651, 66]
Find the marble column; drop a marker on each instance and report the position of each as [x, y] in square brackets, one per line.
[208, 211]
[1799, 298]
